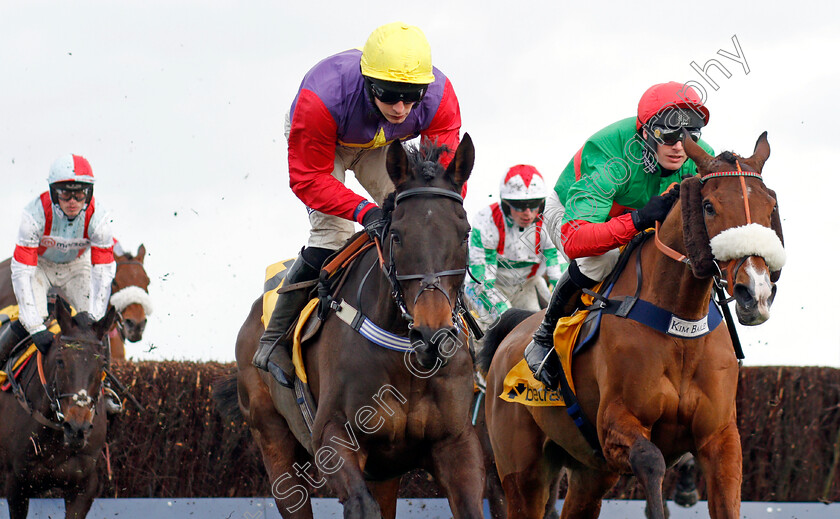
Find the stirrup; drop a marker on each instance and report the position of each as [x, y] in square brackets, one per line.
[113, 402]
[542, 364]
[279, 375]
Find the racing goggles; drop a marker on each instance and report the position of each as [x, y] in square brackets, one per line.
[670, 136]
[66, 195]
[521, 205]
[408, 93]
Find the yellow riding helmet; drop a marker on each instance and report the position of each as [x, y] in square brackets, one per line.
[398, 52]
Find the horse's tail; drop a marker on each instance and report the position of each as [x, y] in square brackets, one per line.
[496, 334]
[226, 396]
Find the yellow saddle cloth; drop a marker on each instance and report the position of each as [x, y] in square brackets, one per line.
[275, 276]
[521, 387]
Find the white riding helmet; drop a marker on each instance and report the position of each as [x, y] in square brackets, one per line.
[71, 173]
[523, 182]
[71, 168]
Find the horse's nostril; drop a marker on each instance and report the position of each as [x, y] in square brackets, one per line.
[416, 338]
[744, 296]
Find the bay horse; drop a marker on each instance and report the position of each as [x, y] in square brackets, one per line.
[129, 293]
[53, 431]
[380, 412]
[651, 397]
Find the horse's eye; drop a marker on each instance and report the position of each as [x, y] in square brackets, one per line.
[396, 238]
[59, 362]
[467, 236]
[708, 208]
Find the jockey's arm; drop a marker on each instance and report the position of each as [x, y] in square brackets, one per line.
[483, 263]
[551, 257]
[591, 226]
[103, 267]
[582, 238]
[312, 140]
[24, 266]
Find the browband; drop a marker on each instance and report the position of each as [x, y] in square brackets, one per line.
[436, 191]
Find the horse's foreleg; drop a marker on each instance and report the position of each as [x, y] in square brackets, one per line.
[686, 494]
[648, 464]
[339, 455]
[587, 487]
[18, 501]
[385, 493]
[459, 470]
[720, 459]
[280, 450]
[77, 502]
[551, 504]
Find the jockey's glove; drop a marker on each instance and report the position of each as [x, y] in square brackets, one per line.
[374, 223]
[655, 210]
[43, 340]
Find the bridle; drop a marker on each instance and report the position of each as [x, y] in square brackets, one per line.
[429, 281]
[732, 266]
[80, 398]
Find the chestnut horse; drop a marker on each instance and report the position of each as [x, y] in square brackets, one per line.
[52, 432]
[380, 412]
[130, 296]
[650, 396]
[129, 293]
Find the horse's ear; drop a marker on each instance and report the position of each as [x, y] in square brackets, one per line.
[63, 314]
[461, 166]
[104, 325]
[140, 253]
[702, 159]
[696, 237]
[760, 154]
[397, 164]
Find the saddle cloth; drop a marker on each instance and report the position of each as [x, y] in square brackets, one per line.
[275, 275]
[521, 387]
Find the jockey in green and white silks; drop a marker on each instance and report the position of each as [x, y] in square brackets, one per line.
[510, 251]
[609, 192]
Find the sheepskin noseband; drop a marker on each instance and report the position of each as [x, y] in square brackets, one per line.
[750, 240]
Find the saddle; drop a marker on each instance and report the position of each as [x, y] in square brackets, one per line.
[332, 276]
[521, 387]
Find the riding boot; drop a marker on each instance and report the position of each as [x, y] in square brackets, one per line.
[113, 404]
[10, 336]
[565, 300]
[268, 357]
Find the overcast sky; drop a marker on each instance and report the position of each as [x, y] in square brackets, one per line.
[179, 106]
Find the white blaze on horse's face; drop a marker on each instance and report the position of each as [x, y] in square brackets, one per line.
[765, 253]
[760, 285]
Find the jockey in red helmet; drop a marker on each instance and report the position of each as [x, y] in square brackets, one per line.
[610, 191]
[65, 242]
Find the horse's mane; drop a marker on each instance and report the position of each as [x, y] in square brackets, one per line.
[424, 160]
[83, 320]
